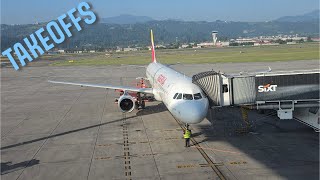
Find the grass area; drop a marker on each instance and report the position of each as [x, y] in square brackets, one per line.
[306, 51]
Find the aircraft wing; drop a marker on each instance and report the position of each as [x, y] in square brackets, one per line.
[106, 86]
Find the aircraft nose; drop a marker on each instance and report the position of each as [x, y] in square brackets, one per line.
[191, 112]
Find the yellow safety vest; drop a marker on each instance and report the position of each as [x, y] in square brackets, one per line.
[187, 134]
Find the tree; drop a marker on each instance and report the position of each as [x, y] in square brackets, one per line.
[309, 39]
[301, 41]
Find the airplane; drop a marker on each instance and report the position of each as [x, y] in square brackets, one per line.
[184, 100]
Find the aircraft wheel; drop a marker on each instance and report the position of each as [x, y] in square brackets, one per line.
[143, 105]
[136, 105]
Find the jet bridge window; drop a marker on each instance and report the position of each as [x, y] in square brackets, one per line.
[187, 97]
[179, 96]
[197, 96]
[225, 88]
[175, 95]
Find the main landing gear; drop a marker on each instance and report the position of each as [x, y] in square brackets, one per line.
[140, 104]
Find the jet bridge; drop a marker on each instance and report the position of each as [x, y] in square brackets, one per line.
[285, 92]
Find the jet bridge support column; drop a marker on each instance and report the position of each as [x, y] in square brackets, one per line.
[244, 113]
[245, 119]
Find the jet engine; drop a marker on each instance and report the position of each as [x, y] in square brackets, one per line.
[126, 103]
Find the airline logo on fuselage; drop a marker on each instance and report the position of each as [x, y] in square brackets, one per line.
[267, 88]
[161, 79]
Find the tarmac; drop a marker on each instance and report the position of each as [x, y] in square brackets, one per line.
[51, 131]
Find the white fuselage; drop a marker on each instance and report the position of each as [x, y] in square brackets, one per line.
[168, 84]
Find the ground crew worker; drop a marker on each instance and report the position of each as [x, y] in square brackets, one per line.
[187, 135]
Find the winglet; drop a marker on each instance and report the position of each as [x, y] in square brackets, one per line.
[152, 49]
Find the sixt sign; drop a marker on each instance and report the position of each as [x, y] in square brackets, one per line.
[267, 88]
[48, 37]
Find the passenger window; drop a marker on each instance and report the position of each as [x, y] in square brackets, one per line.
[179, 96]
[187, 97]
[175, 95]
[197, 96]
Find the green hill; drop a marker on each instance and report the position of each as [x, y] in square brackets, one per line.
[102, 35]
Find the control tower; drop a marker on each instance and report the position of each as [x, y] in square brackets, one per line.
[214, 37]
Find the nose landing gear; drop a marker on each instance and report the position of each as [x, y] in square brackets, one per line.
[187, 126]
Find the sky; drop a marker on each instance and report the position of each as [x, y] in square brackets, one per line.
[32, 11]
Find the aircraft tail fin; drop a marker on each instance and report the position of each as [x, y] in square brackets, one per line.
[153, 49]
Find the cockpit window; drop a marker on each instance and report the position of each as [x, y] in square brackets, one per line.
[175, 95]
[187, 97]
[197, 96]
[179, 96]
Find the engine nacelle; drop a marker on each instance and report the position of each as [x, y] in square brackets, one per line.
[126, 103]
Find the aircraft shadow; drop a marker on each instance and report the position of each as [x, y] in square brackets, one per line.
[149, 110]
[262, 142]
[8, 167]
[281, 146]
[61, 134]
[152, 109]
